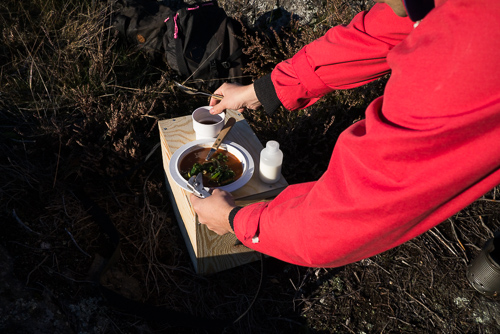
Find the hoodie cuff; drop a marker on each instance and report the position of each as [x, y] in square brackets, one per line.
[264, 89]
[232, 214]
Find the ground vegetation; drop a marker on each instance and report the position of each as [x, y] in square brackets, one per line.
[79, 110]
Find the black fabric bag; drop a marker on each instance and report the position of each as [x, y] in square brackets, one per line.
[198, 41]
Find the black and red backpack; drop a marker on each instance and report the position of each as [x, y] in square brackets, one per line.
[198, 41]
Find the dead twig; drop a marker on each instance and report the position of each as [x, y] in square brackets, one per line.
[450, 248]
[57, 164]
[350, 330]
[425, 307]
[37, 266]
[404, 322]
[76, 244]
[462, 248]
[16, 217]
[379, 266]
[489, 200]
[490, 232]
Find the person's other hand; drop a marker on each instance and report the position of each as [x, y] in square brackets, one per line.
[236, 97]
[214, 210]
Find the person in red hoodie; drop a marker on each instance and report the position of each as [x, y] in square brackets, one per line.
[426, 149]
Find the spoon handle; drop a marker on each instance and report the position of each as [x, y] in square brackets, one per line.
[222, 134]
[215, 96]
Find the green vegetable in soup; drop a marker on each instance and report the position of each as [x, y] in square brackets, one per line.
[215, 172]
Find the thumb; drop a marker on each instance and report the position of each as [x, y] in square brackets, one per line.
[217, 109]
[193, 199]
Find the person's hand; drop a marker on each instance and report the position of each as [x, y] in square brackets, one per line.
[214, 210]
[236, 97]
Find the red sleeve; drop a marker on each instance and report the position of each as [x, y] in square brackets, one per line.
[345, 57]
[425, 150]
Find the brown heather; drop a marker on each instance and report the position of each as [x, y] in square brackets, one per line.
[79, 108]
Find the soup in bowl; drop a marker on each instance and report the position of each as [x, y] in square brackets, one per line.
[221, 169]
[229, 168]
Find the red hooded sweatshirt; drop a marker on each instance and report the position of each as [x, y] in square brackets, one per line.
[426, 149]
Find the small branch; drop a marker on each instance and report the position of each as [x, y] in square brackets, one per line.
[16, 217]
[404, 322]
[357, 278]
[432, 279]
[38, 266]
[444, 242]
[489, 200]
[379, 266]
[462, 248]
[425, 307]
[74, 241]
[57, 164]
[64, 206]
[490, 232]
[350, 330]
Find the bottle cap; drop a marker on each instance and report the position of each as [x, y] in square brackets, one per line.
[272, 145]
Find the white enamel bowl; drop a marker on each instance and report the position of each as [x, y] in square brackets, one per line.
[237, 150]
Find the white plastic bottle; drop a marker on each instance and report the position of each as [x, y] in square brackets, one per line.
[271, 158]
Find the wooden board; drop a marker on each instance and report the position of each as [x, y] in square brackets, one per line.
[210, 252]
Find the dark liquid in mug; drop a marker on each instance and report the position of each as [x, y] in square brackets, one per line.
[208, 122]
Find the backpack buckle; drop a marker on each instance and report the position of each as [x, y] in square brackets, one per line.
[213, 67]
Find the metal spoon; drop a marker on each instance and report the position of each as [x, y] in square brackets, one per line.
[193, 91]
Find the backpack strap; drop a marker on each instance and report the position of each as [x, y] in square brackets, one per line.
[227, 64]
[181, 60]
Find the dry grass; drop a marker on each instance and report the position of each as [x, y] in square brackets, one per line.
[79, 109]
